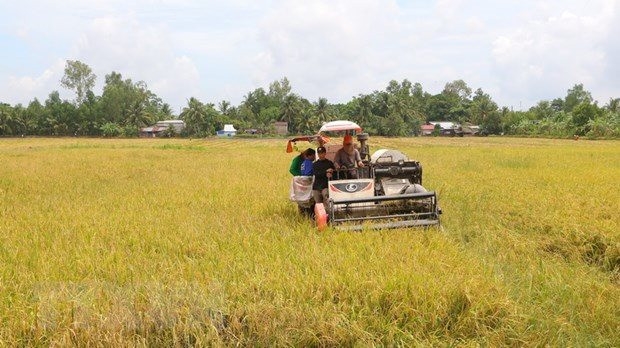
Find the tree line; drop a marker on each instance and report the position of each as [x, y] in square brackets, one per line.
[125, 106]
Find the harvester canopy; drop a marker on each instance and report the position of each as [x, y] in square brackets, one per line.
[339, 126]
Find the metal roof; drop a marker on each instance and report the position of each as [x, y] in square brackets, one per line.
[445, 124]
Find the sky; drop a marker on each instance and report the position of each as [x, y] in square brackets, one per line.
[519, 52]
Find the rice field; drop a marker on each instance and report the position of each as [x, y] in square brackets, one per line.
[193, 242]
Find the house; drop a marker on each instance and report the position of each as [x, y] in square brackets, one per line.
[448, 128]
[228, 131]
[160, 128]
[471, 130]
[427, 129]
[281, 128]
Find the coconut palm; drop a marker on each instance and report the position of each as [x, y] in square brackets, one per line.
[321, 111]
[365, 110]
[290, 111]
[138, 115]
[6, 119]
[613, 105]
[195, 116]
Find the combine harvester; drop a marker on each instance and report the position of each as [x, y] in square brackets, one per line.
[386, 192]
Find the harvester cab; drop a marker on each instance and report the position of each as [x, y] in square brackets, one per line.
[386, 192]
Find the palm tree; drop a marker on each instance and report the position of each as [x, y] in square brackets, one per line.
[321, 111]
[481, 109]
[138, 115]
[365, 110]
[224, 107]
[6, 119]
[166, 111]
[613, 105]
[194, 116]
[308, 123]
[290, 111]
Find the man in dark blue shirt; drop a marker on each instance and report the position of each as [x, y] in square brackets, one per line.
[306, 165]
[322, 169]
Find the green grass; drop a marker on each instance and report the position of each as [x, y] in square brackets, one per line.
[193, 242]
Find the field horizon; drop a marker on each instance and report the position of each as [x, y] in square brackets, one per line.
[171, 242]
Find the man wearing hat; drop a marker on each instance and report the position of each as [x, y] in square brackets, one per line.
[348, 157]
[322, 169]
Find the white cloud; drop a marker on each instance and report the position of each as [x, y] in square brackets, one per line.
[551, 51]
[34, 86]
[139, 52]
[475, 24]
[322, 46]
[522, 51]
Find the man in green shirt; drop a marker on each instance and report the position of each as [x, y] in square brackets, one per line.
[295, 168]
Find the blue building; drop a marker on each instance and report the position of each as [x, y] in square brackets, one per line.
[228, 131]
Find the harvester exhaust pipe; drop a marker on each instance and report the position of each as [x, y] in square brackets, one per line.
[364, 149]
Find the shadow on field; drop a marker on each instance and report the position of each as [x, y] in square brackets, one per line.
[289, 213]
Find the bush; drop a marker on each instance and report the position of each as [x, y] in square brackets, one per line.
[170, 132]
[110, 130]
[130, 131]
